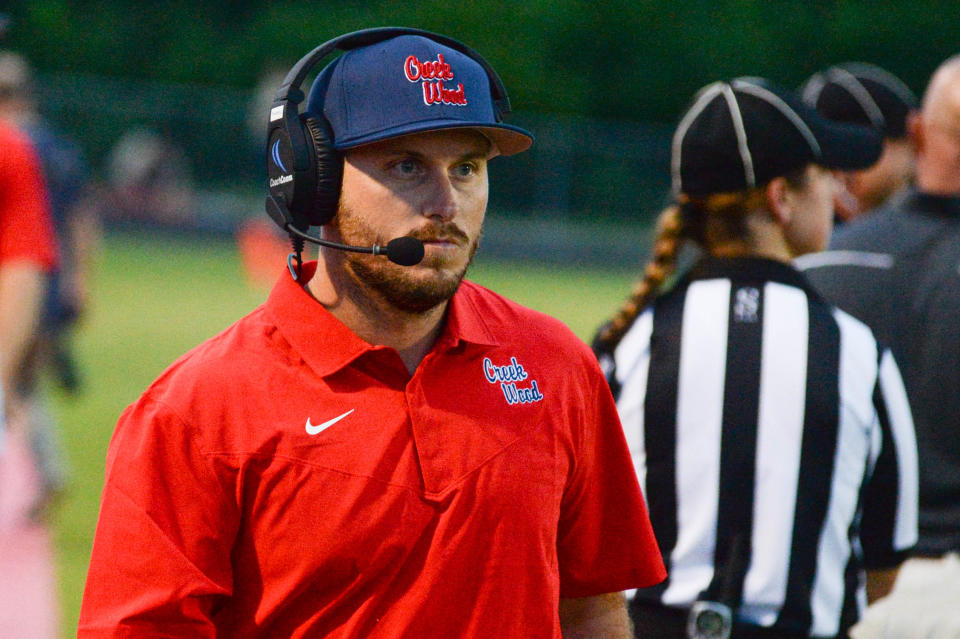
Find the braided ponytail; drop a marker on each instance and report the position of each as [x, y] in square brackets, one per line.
[673, 226]
[712, 221]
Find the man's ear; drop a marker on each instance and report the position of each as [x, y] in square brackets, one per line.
[779, 201]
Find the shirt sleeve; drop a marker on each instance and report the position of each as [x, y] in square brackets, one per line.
[605, 541]
[890, 500]
[26, 226]
[161, 553]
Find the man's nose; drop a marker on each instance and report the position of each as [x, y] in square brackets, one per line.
[441, 201]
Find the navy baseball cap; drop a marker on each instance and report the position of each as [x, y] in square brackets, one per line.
[743, 133]
[862, 93]
[408, 84]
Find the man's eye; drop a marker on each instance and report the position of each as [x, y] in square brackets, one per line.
[465, 170]
[406, 167]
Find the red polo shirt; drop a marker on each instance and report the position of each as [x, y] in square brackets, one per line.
[287, 479]
[26, 228]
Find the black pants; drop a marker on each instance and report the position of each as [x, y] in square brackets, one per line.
[653, 621]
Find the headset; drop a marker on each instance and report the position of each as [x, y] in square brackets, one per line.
[304, 169]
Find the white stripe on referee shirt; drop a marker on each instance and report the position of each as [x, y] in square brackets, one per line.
[779, 442]
[901, 423]
[703, 357]
[632, 366]
[855, 438]
[844, 258]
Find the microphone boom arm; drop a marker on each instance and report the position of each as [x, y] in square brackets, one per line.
[404, 250]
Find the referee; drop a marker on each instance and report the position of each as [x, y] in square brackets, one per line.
[770, 431]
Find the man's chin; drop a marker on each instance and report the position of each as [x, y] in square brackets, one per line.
[421, 298]
[415, 289]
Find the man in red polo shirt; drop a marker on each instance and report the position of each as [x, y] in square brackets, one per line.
[381, 450]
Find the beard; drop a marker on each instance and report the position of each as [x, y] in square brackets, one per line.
[411, 289]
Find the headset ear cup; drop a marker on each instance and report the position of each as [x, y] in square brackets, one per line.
[329, 164]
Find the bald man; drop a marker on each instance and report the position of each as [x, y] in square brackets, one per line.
[898, 270]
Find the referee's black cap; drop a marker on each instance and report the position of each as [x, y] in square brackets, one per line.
[743, 133]
[862, 93]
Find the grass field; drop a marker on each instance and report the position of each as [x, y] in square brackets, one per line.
[154, 297]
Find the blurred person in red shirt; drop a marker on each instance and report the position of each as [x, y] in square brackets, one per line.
[28, 253]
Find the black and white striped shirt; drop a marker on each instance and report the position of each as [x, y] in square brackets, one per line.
[774, 443]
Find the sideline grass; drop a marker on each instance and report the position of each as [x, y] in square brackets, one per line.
[154, 297]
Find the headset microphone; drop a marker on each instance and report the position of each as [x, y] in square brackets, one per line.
[405, 250]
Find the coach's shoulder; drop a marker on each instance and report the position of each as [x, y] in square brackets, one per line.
[218, 367]
[509, 320]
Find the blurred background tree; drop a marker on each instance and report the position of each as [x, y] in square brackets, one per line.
[616, 59]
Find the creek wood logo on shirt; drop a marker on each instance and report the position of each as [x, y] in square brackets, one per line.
[432, 74]
[509, 376]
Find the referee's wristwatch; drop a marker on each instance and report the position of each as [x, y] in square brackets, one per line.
[709, 620]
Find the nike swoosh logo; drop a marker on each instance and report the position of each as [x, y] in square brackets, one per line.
[319, 428]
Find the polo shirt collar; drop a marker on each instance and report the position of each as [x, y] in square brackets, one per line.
[465, 322]
[327, 345]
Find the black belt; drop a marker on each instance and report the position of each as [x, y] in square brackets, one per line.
[652, 619]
